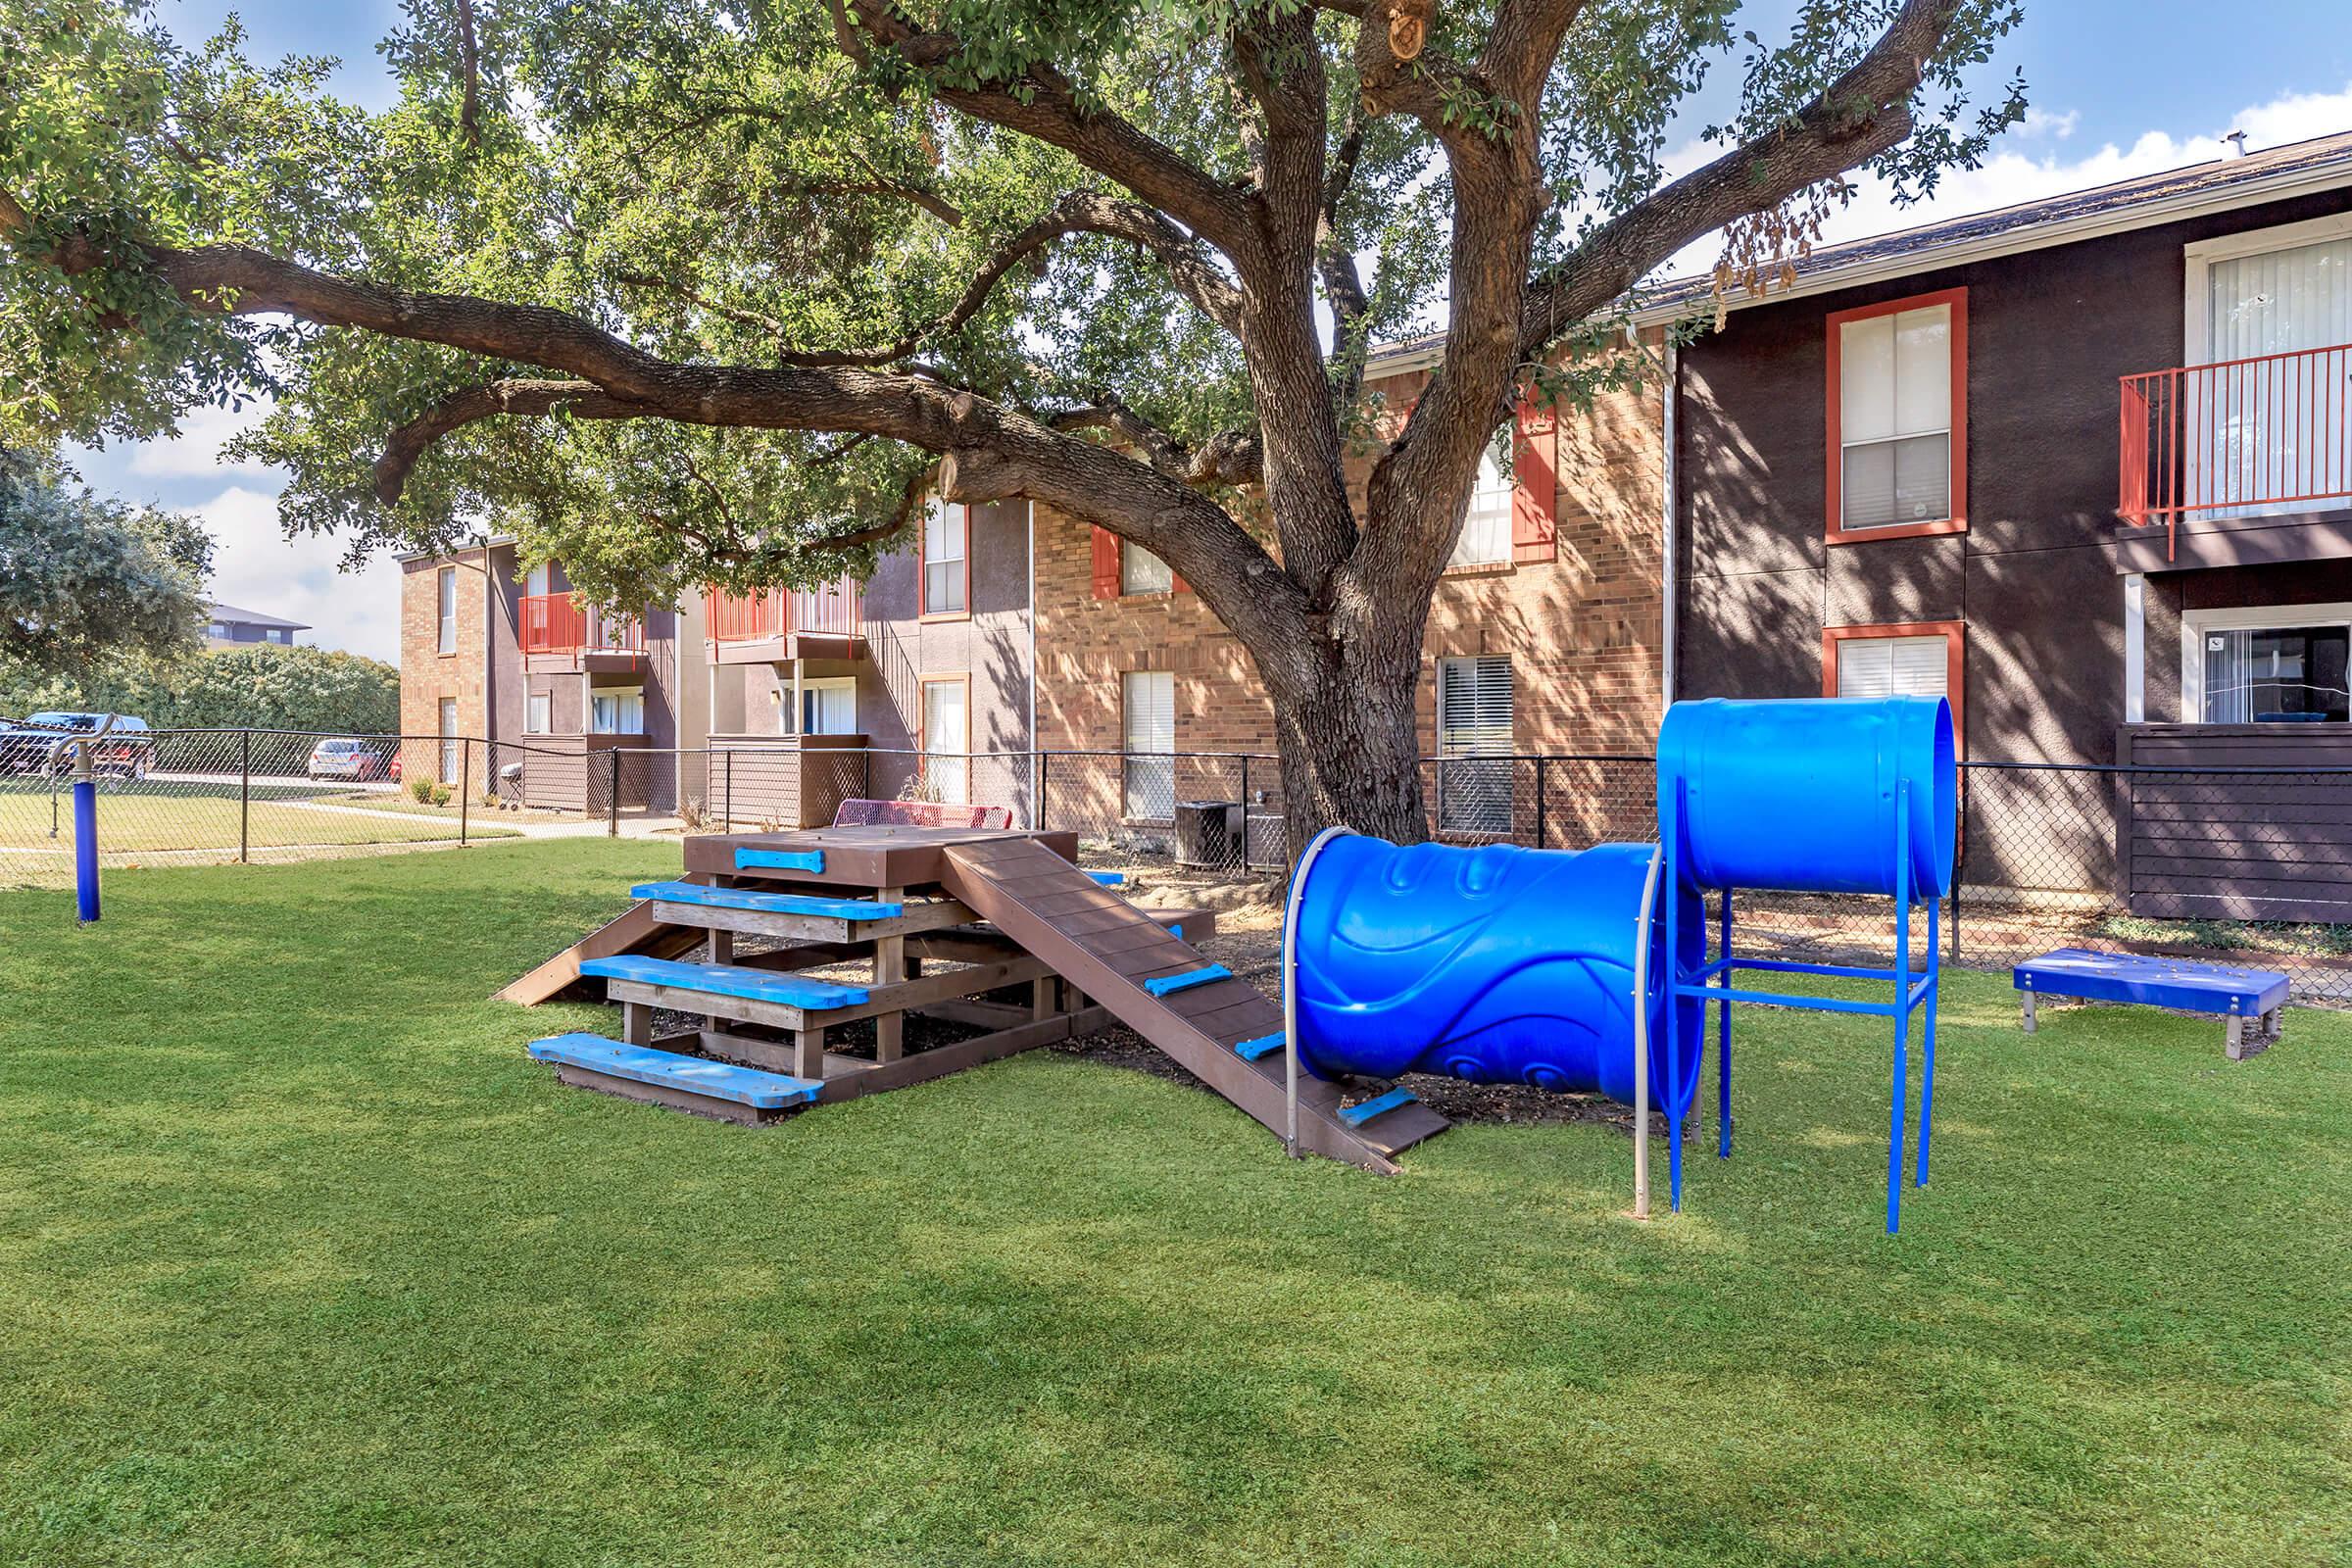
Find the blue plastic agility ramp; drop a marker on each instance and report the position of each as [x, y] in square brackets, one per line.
[1567, 970]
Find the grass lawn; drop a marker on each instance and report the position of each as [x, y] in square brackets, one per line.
[303, 1262]
[165, 816]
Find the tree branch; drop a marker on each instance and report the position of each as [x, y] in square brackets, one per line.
[469, 112]
[1229, 458]
[514, 395]
[1041, 104]
[1862, 114]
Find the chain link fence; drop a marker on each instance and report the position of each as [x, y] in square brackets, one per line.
[2247, 865]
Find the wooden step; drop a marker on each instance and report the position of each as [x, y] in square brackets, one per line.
[743, 1094]
[1394, 1100]
[769, 903]
[1263, 1046]
[727, 980]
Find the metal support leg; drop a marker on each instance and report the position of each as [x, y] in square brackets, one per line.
[1903, 1017]
[1927, 1076]
[1723, 1046]
[2031, 1022]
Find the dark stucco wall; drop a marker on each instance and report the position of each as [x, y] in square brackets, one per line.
[2033, 578]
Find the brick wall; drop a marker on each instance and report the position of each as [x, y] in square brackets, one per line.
[1583, 630]
[426, 674]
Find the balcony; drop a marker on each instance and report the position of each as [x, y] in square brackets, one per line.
[2241, 439]
[555, 627]
[821, 622]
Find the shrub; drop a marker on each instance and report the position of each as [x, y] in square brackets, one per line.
[420, 789]
[443, 795]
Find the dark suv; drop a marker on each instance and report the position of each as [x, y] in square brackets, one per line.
[32, 745]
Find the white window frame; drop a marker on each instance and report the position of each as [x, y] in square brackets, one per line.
[2197, 266]
[1136, 575]
[1488, 524]
[2195, 623]
[445, 610]
[819, 688]
[1144, 777]
[615, 694]
[1954, 352]
[1479, 784]
[947, 772]
[447, 720]
[539, 713]
[959, 564]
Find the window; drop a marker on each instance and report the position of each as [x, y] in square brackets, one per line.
[1899, 419]
[280, 635]
[448, 739]
[947, 738]
[616, 711]
[2266, 666]
[1475, 698]
[447, 587]
[217, 630]
[1918, 658]
[1143, 572]
[2265, 425]
[539, 581]
[829, 706]
[1486, 536]
[539, 714]
[1148, 701]
[946, 575]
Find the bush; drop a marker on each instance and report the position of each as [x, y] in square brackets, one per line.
[257, 684]
[443, 795]
[421, 790]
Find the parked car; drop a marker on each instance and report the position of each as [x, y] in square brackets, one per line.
[29, 747]
[361, 762]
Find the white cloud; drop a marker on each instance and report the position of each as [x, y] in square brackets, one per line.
[256, 566]
[196, 451]
[2045, 123]
[2012, 176]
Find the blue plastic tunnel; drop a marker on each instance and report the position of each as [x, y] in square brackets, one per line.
[1493, 965]
[1799, 796]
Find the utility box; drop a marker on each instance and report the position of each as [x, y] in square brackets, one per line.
[1208, 833]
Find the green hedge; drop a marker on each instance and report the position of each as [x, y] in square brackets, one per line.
[257, 685]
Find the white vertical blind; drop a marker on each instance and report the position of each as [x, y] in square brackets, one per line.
[2274, 430]
[1143, 572]
[1475, 702]
[616, 711]
[1486, 536]
[946, 737]
[1893, 666]
[1148, 703]
[448, 745]
[1895, 418]
[448, 590]
[540, 718]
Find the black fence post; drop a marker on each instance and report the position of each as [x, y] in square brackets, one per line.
[1042, 758]
[729, 808]
[1244, 811]
[1540, 823]
[613, 798]
[244, 795]
[464, 789]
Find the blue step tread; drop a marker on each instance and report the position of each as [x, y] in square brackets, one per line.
[745, 1086]
[1171, 984]
[1110, 879]
[767, 903]
[2154, 981]
[781, 861]
[1262, 1046]
[726, 980]
[1394, 1100]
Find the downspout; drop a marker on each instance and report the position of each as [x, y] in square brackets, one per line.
[1037, 804]
[1669, 621]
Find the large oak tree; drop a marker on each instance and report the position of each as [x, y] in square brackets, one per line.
[718, 290]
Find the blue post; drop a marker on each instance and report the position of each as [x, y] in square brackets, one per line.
[1927, 1081]
[1722, 1047]
[1902, 1008]
[85, 847]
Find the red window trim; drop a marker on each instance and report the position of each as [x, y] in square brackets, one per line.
[1955, 640]
[922, 578]
[1957, 522]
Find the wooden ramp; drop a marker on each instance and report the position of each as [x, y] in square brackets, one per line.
[1119, 956]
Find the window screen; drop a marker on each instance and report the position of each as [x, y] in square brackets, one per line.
[1475, 700]
[1894, 666]
[1143, 572]
[1486, 536]
[1149, 769]
[1895, 418]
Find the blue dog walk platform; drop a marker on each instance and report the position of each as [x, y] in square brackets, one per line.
[2236, 993]
[694, 1080]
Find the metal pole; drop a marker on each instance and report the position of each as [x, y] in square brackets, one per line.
[464, 789]
[85, 836]
[612, 798]
[244, 794]
[1041, 792]
[1723, 1042]
[1902, 1001]
[1539, 801]
[1649, 893]
[730, 826]
[1244, 813]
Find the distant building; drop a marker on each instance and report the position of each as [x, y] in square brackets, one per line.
[231, 627]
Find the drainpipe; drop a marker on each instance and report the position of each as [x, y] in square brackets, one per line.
[1037, 804]
[1669, 621]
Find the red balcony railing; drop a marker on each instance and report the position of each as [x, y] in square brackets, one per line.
[553, 623]
[831, 610]
[2237, 437]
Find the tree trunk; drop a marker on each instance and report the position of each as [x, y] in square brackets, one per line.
[1349, 743]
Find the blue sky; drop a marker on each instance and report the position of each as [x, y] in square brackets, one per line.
[2119, 87]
